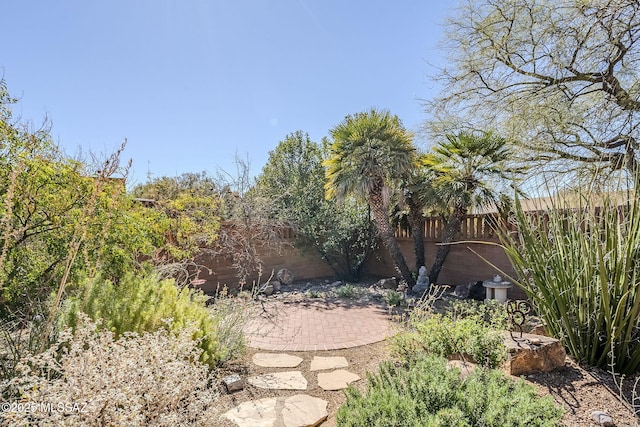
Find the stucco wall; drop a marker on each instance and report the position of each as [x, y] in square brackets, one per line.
[462, 264]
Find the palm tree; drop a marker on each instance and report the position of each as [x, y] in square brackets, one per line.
[371, 151]
[465, 169]
[415, 199]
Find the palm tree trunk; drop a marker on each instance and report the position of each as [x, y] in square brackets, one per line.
[416, 223]
[451, 229]
[381, 218]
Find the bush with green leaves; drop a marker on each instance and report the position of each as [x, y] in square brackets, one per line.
[347, 291]
[143, 304]
[429, 393]
[293, 181]
[445, 336]
[580, 267]
[393, 298]
[492, 313]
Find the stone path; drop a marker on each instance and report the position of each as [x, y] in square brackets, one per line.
[311, 325]
[300, 410]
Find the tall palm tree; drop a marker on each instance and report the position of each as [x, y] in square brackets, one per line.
[370, 152]
[465, 170]
[415, 199]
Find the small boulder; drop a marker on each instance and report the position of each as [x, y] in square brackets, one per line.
[602, 418]
[336, 284]
[390, 283]
[465, 367]
[462, 291]
[477, 291]
[233, 383]
[276, 285]
[284, 276]
[266, 289]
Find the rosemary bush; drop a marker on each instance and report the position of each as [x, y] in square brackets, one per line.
[581, 269]
[143, 305]
[429, 393]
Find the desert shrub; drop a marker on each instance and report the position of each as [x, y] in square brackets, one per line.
[140, 304]
[492, 313]
[464, 330]
[393, 298]
[152, 379]
[581, 269]
[347, 291]
[428, 393]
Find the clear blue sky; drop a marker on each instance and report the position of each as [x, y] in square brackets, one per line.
[190, 83]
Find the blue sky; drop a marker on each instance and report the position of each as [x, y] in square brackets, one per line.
[190, 83]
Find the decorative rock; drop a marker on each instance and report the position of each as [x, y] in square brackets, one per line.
[336, 380]
[466, 368]
[390, 283]
[323, 363]
[602, 418]
[300, 410]
[276, 285]
[336, 284]
[539, 329]
[284, 276]
[290, 380]
[266, 289]
[304, 411]
[525, 358]
[233, 383]
[276, 360]
[462, 291]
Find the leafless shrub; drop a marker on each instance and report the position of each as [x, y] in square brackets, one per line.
[89, 378]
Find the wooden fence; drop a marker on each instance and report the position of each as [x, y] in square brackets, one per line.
[473, 227]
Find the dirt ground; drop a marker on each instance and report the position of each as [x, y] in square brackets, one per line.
[579, 390]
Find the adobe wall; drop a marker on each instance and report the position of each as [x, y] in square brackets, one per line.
[304, 264]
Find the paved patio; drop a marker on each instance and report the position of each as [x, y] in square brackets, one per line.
[317, 324]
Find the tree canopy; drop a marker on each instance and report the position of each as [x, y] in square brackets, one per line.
[370, 152]
[559, 77]
[293, 179]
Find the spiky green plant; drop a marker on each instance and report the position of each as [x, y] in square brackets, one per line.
[580, 267]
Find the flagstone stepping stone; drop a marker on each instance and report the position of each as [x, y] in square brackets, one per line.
[336, 380]
[300, 410]
[320, 363]
[290, 380]
[276, 360]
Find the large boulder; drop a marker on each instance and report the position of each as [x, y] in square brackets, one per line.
[533, 353]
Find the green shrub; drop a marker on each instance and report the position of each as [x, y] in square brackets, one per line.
[492, 313]
[581, 269]
[347, 291]
[393, 298]
[144, 304]
[428, 393]
[444, 336]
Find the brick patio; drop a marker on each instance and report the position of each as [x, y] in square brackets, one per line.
[317, 324]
